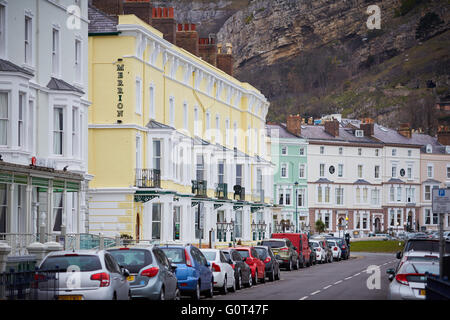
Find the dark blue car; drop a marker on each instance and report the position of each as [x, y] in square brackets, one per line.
[193, 271]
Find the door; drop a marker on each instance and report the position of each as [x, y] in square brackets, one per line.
[205, 272]
[169, 278]
[118, 280]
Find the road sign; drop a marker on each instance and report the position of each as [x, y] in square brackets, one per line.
[441, 200]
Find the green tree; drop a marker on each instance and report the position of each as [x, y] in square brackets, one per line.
[320, 226]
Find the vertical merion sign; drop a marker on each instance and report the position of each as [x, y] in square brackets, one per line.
[120, 70]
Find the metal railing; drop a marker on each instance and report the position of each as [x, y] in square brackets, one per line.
[239, 193]
[18, 242]
[199, 188]
[148, 178]
[222, 191]
[258, 196]
[29, 285]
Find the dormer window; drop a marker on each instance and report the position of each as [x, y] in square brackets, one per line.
[359, 133]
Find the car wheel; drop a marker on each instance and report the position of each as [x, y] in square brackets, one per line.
[297, 265]
[272, 275]
[196, 293]
[162, 295]
[177, 295]
[278, 276]
[255, 280]
[225, 288]
[263, 280]
[250, 280]
[239, 282]
[233, 288]
[290, 266]
[114, 296]
[210, 292]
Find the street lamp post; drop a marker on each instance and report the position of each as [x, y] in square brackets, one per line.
[253, 225]
[296, 205]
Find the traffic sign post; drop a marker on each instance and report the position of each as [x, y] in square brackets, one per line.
[441, 205]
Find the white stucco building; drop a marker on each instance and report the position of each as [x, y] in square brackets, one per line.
[43, 117]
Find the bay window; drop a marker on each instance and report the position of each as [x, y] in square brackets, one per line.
[4, 118]
[20, 126]
[58, 130]
[428, 193]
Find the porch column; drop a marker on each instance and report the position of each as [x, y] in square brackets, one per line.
[28, 208]
[49, 207]
[9, 219]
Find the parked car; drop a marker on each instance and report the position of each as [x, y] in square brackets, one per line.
[250, 256]
[242, 272]
[410, 280]
[285, 252]
[99, 278]
[423, 244]
[335, 249]
[313, 255]
[300, 241]
[345, 249]
[223, 272]
[272, 265]
[326, 248]
[321, 254]
[447, 235]
[152, 276]
[193, 271]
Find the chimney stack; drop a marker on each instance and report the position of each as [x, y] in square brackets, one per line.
[187, 38]
[225, 59]
[405, 130]
[207, 49]
[140, 8]
[294, 124]
[368, 126]
[443, 135]
[332, 127]
[111, 7]
[164, 21]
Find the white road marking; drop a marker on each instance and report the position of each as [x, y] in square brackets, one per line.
[337, 282]
[348, 278]
[357, 274]
[305, 297]
[325, 288]
[315, 292]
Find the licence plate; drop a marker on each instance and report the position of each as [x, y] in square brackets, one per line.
[130, 278]
[69, 297]
[422, 292]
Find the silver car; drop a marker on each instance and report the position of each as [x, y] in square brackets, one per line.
[410, 280]
[152, 275]
[82, 275]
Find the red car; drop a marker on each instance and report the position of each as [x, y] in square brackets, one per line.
[300, 241]
[257, 267]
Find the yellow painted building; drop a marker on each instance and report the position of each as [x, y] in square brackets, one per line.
[174, 143]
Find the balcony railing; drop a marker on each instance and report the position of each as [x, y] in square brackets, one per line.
[239, 193]
[148, 178]
[258, 196]
[222, 191]
[199, 188]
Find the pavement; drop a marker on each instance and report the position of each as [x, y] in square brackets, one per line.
[340, 280]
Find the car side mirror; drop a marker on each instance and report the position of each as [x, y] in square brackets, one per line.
[173, 267]
[399, 255]
[208, 264]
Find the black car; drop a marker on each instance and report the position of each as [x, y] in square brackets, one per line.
[272, 265]
[242, 272]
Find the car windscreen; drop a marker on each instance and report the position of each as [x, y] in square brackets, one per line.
[85, 263]
[243, 253]
[426, 245]
[262, 253]
[426, 258]
[331, 243]
[314, 244]
[227, 255]
[273, 243]
[132, 259]
[176, 254]
[210, 255]
[420, 268]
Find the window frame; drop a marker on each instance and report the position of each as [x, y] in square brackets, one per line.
[28, 40]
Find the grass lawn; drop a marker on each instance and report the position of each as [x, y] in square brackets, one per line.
[390, 246]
